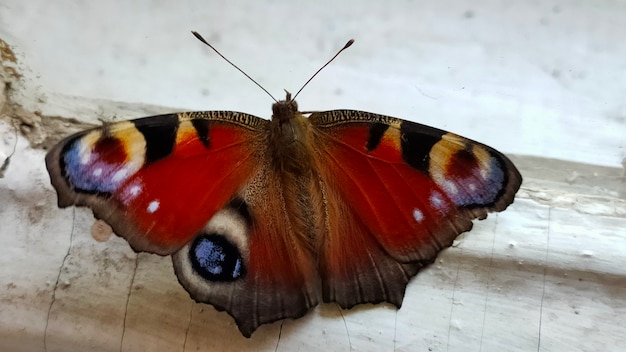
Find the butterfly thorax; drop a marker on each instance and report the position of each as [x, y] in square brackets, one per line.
[288, 138]
[284, 110]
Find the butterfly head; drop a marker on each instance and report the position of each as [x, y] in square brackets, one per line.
[284, 110]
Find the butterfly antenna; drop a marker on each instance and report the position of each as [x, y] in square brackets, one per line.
[350, 42]
[197, 35]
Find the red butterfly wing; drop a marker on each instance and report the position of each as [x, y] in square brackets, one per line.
[197, 185]
[398, 193]
[156, 180]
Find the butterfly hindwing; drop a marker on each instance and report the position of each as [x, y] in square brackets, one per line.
[407, 191]
[278, 274]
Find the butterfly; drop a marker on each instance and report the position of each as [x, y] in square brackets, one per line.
[267, 218]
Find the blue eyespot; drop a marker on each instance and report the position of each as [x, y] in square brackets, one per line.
[478, 191]
[216, 259]
[97, 175]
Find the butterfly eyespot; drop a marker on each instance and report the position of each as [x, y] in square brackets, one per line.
[219, 254]
[99, 163]
[216, 259]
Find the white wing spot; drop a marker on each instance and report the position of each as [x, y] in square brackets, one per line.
[472, 187]
[131, 191]
[135, 190]
[97, 172]
[436, 201]
[450, 187]
[485, 168]
[84, 159]
[84, 152]
[418, 215]
[120, 175]
[153, 206]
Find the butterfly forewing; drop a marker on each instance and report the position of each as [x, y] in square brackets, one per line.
[157, 180]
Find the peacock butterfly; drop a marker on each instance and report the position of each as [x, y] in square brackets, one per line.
[265, 219]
